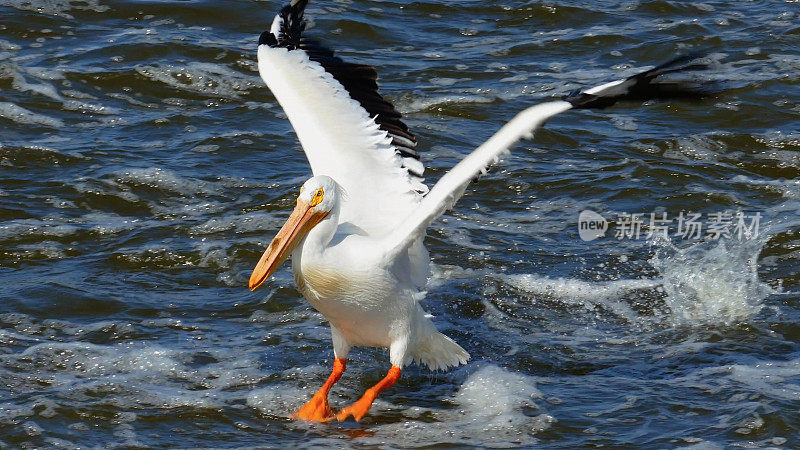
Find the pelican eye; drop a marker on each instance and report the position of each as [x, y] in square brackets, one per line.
[317, 198]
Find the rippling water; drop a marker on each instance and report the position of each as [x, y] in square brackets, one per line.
[145, 166]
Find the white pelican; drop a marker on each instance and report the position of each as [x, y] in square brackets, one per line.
[356, 234]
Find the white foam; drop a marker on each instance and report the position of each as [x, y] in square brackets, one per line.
[89, 108]
[423, 104]
[35, 227]
[23, 116]
[90, 360]
[701, 445]
[496, 396]
[175, 207]
[283, 399]
[787, 188]
[43, 249]
[164, 179]
[769, 380]
[21, 84]
[86, 186]
[108, 223]
[206, 78]
[703, 147]
[56, 7]
[207, 148]
[443, 81]
[278, 400]
[214, 254]
[440, 273]
[135, 375]
[577, 290]
[154, 254]
[587, 294]
[773, 379]
[624, 123]
[240, 223]
[493, 407]
[101, 223]
[10, 412]
[6, 45]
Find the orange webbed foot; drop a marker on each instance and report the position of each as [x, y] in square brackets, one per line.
[316, 410]
[360, 408]
[357, 410]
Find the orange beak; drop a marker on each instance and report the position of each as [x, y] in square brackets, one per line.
[302, 220]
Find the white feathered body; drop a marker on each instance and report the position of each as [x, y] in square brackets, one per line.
[370, 303]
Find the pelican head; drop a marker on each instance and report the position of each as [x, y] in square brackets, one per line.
[317, 198]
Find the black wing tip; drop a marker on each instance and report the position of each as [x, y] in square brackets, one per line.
[267, 38]
[647, 85]
[292, 25]
[299, 5]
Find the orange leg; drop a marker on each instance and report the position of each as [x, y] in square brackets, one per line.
[318, 409]
[359, 409]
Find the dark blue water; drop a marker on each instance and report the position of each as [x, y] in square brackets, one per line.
[144, 166]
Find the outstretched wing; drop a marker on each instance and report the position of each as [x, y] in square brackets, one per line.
[644, 86]
[347, 129]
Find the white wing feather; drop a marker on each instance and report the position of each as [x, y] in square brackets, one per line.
[340, 140]
[452, 185]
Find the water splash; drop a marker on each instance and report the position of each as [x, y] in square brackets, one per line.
[711, 282]
[588, 295]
